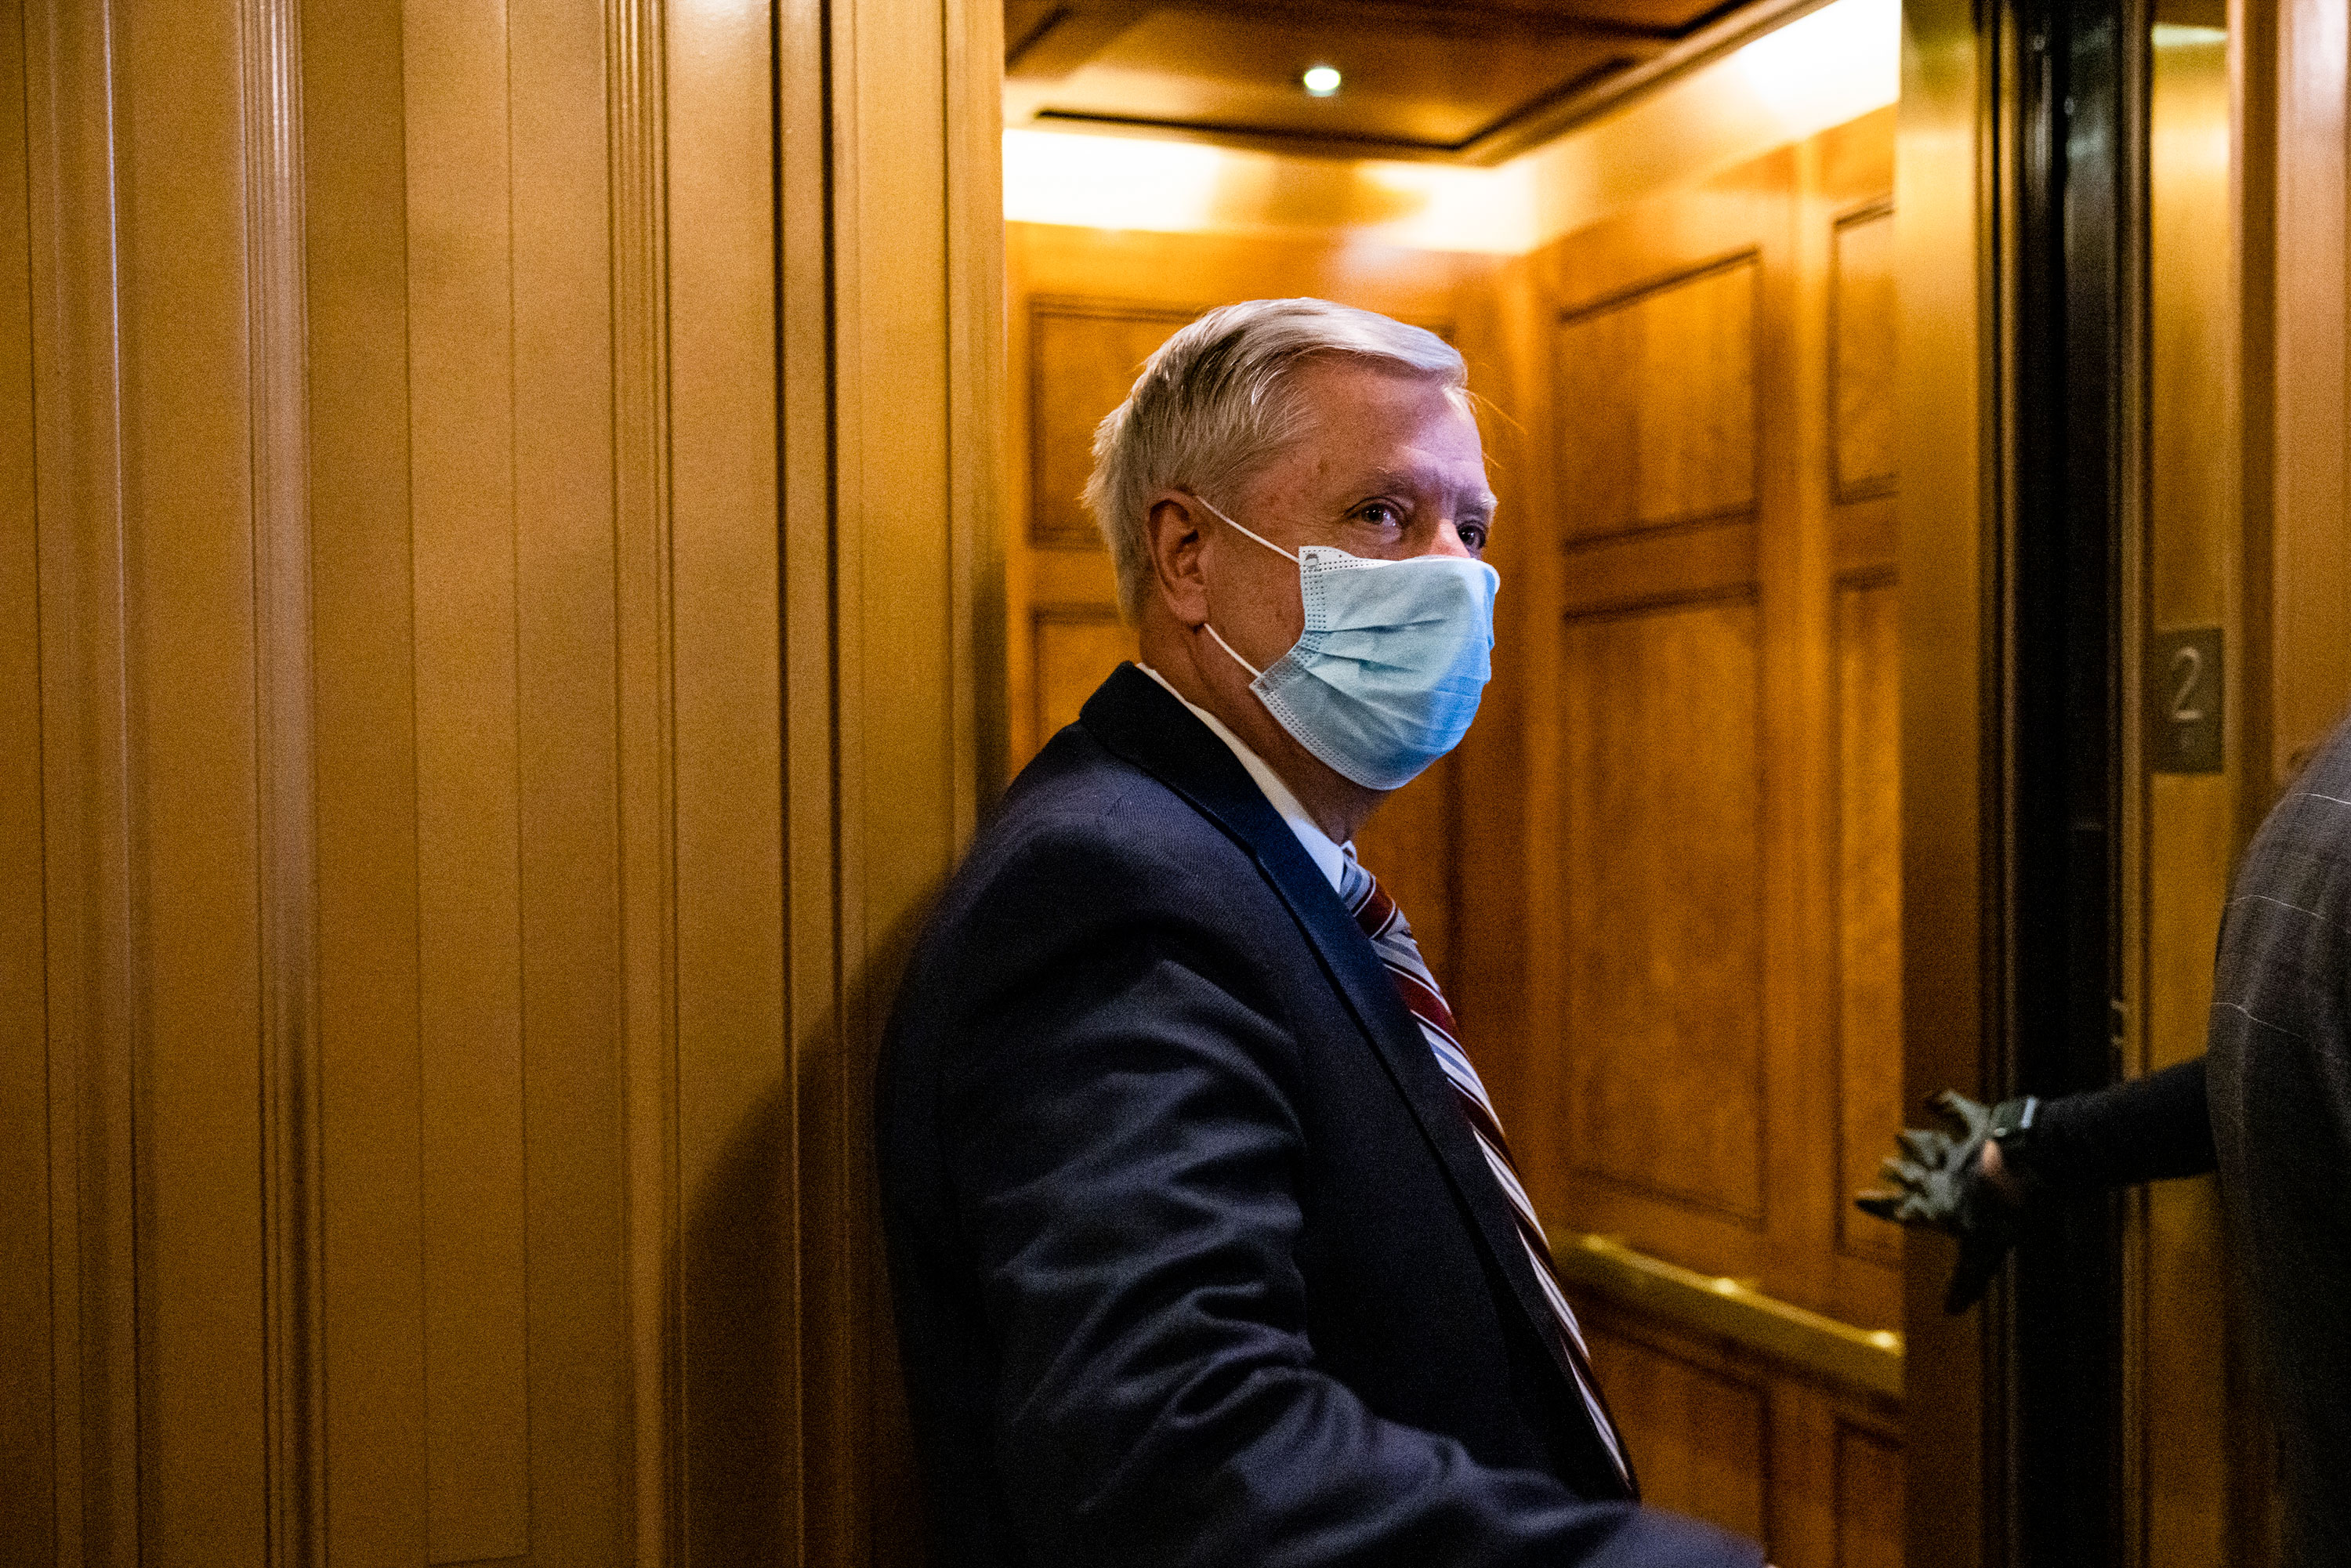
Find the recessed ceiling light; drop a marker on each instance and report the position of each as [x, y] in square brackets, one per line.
[1321, 81]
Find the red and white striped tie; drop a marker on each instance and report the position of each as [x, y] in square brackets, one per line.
[1391, 935]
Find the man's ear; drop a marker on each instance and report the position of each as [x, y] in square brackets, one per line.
[1174, 538]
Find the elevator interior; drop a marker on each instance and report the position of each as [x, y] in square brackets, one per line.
[531, 533]
[1663, 879]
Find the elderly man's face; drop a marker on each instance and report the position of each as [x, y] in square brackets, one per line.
[1389, 466]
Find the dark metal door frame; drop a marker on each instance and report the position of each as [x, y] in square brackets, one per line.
[2019, 220]
[2059, 1436]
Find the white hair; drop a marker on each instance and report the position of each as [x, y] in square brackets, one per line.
[1215, 401]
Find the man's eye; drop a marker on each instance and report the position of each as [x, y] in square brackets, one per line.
[1473, 536]
[1379, 513]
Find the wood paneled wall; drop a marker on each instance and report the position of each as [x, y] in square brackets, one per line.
[1088, 307]
[490, 667]
[1689, 994]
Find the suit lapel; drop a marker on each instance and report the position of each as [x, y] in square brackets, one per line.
[1141, 721]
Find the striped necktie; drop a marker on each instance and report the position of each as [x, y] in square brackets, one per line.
[1391, 935]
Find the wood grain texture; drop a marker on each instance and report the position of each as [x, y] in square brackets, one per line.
[1633, 571]
[1944, 355]
[1083, 356]
[1869, 912]
[2309, 585]
[187, 475]
[1413, 844]
[1075, 647]
[1698, 1434]
[916, 419]
[1662, 866]
[1861, 368]
[278, 344]
[1663, 386]
[370, 1082]
[568, 288]
[1869, 1498]
[2191, 1454]
[28, 1392]
[1811, 1472]
[95, 948]
[1670, 1063]
[725, 1417]
[550, 771]
[462, 466]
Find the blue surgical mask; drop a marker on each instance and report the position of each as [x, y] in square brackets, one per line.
[1387, 674]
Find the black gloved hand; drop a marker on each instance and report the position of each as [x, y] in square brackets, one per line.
[1938, 1181]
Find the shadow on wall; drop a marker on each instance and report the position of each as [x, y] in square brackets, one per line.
[795, 1437]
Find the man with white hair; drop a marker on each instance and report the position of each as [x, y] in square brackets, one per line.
[1206, 1243]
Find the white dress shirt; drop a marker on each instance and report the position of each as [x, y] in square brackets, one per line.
[1328, 855]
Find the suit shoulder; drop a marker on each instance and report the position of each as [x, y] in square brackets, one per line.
[1079, 816]
[1091, 863]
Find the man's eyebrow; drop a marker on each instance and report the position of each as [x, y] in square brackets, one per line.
[1408, 480]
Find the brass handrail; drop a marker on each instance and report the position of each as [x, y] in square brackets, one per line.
[1869, 1360]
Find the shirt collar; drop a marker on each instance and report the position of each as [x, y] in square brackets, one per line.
[1329, 856]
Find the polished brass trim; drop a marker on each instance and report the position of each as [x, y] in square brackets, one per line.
[1868, 1360]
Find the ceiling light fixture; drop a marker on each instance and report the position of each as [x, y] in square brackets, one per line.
[1321, 81]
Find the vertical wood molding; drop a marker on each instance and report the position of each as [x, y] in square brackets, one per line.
[1947, 241]
[978, 355]
[804, 269]
[890, 406]
[646, 666]
[277, 345]
[2311, 542]
[94, 950]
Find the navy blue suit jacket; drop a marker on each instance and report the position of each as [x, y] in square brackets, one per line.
[1194, 1259]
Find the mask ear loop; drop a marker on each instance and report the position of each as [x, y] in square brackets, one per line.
[1258, 536]
[1255, 674]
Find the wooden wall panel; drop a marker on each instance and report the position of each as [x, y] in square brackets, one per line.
[1861, 347]
[1699, 1437]
[2199, 1463]
[187, 468]
[1082, 358]
[1810, 1471]
[463, 464]
[1663, 384]
[2302, 559]
[571, 91]
[704, 548]
[1696, 1050]
[408, 764]
[1869, 911]
[372, 1085]
[1074, 647]
[1869, 1496]
[89, 864]
[1665, 937]
[1413, 844]
[27, 1472]
[1944, 194]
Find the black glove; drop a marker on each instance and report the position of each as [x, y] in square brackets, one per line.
[1938, 1181]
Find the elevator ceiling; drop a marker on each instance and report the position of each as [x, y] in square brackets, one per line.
[1471, 82]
